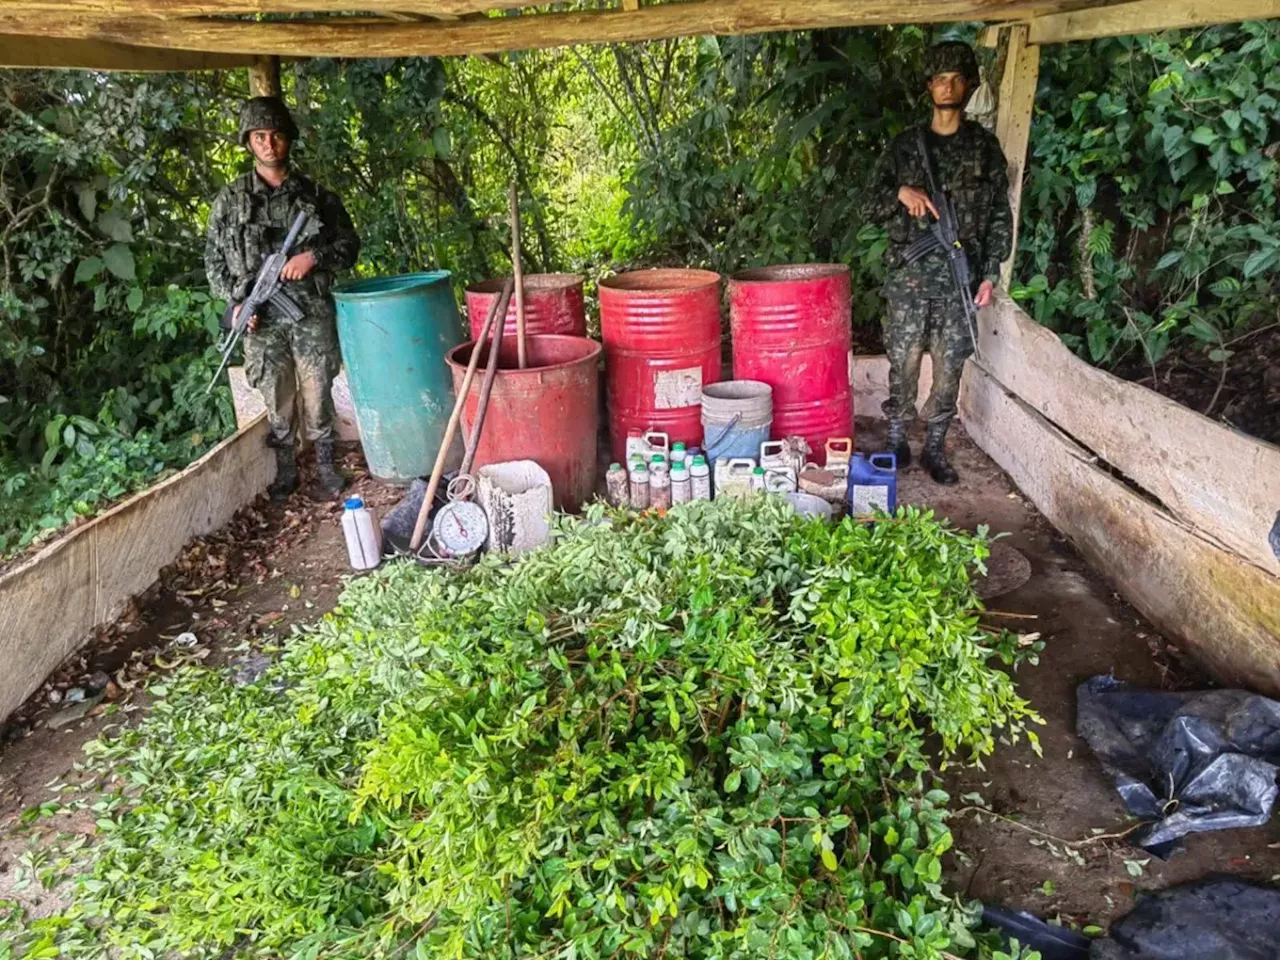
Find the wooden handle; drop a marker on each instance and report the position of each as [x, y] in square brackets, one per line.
[486, 388]
[518, 269]
[438, 470]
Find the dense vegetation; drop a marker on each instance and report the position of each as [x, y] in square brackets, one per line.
[698, 735]
[1149, 227]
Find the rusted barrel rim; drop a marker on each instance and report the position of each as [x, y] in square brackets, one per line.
[661, 280]
[532, 281]
[458, 357]
[791, 272]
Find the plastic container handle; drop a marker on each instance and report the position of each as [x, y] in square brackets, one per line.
[740, 465]
[840, 446]
[710, 445]
[882, 457]
[780, 446]
[666, 440]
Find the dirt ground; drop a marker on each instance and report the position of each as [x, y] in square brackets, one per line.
[241, 591]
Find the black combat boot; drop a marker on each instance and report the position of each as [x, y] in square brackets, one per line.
[329, 482]
[286, 480]
[934, 457]
[896, 443]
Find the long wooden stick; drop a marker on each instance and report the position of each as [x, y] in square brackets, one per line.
[518, 268]
[438, 470]
[486, 388]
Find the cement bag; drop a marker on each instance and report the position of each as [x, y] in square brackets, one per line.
[516, 495]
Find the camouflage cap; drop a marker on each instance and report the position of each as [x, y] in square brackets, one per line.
[952, 56]
[266, 113]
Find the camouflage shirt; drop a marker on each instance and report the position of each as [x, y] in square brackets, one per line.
[972, 168]
[249, 221]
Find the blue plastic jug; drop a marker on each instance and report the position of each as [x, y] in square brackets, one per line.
[873, 484]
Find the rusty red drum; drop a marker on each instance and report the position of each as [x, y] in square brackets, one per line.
[792, 330]
[547, 412]
[661, 331]
[552, 304]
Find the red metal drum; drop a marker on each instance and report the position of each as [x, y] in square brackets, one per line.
[792, 330]
[548, 412]
[661, 331]
[552, 304]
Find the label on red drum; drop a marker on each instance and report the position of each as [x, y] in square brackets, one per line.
[673, 389]
[851, 368]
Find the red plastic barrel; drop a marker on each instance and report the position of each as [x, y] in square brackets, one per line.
[548, 412]
[552, 304]
[661, 331]
[792, 330]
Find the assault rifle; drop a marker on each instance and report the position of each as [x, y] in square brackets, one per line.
[944, 236]
[267, 288]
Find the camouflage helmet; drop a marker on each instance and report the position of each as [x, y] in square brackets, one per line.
[952, 56]
[266, 113]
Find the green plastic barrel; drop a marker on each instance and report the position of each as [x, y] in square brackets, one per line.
[395, 332]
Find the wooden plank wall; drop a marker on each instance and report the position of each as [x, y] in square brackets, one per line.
[1181, 532]
[50, 604]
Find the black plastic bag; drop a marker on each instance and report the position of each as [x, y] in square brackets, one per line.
[1052, 942]
[1217, 918]
[1189, 762]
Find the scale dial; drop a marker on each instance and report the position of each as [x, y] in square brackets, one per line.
[460, 528]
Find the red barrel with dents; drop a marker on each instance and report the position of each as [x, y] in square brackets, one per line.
[548, 412]
[552, 304]
[661, 331]
[792, 330]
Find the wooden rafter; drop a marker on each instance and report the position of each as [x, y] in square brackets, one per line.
[349, 37]
[1147, 16]
[171, 9]
[54, 53]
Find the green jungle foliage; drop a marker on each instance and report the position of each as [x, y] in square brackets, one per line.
[699, 735]
[1150, 212]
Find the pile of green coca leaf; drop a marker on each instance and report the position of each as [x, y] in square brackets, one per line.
[700, 735]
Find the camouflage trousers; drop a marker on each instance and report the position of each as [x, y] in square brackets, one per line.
[281, 358]
[910, 328]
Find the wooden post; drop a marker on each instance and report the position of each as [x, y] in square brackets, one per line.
[1013, 122]
[264, 77]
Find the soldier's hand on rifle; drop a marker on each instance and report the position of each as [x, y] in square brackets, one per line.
[298, 266]
[986, 290]
[235, 317]
[917, 202]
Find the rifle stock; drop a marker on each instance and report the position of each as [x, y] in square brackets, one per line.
[266, 289]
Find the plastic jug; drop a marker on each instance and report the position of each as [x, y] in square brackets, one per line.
[873, 484]
[780, 467]
[733, 476]
[363, 535]
[645, 445]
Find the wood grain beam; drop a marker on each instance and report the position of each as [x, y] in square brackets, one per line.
[264, 77]
[1147, 16]
[170, 9]
[1013, 122]
[44, 53]
[382, 38]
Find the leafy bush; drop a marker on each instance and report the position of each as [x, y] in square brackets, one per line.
[700, 735]
[1151, 213]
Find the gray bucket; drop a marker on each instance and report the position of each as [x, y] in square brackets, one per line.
[736, 417]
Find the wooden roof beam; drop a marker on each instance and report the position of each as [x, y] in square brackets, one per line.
[1147, 16]
[171, 9]
[44, 53]
[365, 38]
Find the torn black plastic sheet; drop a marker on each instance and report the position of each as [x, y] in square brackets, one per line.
[1188, 762]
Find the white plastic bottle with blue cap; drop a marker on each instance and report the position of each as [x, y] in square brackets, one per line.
[363, 535]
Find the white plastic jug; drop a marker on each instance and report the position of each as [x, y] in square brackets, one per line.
[363, 535]
[733, 476]
[647, 444]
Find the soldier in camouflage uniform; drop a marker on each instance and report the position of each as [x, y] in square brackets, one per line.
[924, 311]
[248, 223]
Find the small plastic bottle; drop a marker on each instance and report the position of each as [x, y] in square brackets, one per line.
[616, 482]
[363, 535]
[659, 483]
[757, 479]
[681, 483]
[639, 485]
[700, 478]
[678, 454]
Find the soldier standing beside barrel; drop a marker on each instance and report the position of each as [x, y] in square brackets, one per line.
[249, 221]
[924, 311]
